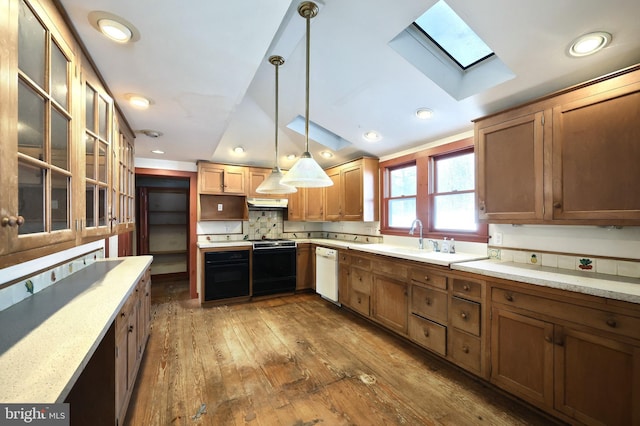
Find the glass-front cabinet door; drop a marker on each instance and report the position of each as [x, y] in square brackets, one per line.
[36, 132]
[98, 108]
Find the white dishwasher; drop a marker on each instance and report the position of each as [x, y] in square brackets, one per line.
[327, 273]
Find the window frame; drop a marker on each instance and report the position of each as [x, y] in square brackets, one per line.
[424, 161]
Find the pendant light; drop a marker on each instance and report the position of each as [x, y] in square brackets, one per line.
[273, 184]
[306, 173]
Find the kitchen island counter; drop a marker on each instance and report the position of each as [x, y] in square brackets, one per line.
[49, 338]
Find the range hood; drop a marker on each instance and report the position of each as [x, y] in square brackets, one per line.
[267, 203]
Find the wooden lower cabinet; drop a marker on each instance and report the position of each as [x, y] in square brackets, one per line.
[305, 272]
[544, 350]
[522, 356]
[390, 303]
[131, 335]
[429, 334]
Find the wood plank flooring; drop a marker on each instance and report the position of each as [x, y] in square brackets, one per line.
[297, 360]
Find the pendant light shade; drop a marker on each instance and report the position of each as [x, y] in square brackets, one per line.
[306, 173]
[273, 184]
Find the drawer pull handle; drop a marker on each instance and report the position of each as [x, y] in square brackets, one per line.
[122, 314]
[464, 315]
[465, 287]
[465, 349]
[359, 299]
[509, 297]
[427, 301]
[130, 329]
[557, 204]
[612, 323]
[547, 339]
[426, 332]
[426, 277]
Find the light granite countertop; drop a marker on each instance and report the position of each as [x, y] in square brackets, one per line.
[48, 338]
[603, 285]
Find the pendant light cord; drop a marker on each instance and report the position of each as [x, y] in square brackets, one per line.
[306, 108]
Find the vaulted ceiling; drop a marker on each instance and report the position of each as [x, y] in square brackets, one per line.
[204, 65]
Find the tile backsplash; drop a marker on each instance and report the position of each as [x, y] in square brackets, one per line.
[28, 285]
[623, 268]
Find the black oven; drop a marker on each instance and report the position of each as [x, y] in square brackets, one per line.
[226, 274]
[274, 267]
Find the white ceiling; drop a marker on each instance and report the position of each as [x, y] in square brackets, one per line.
[204, 65]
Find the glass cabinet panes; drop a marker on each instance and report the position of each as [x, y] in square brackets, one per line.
[90, 148]
[102, 162]
[90, 216]
[44, 128]
[90, 109]
[103, 117]
[32, 42]
[60, 201]
[97, 157]
[59, 76]
[31, 108]
[59, 140]
[31, 196]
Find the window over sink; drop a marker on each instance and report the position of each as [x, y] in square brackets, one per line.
[435, 185]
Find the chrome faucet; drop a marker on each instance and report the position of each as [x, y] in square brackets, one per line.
[413, 228]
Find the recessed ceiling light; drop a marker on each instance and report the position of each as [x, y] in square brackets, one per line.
[115, 30]
[372, 136]
[424, 113]
[138, 101]
[113, 26]
[589, 44]
[326, 154]
[238, 150]
[157, 151]
[291, 157]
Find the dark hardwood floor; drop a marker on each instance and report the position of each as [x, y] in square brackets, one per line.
[298, 360]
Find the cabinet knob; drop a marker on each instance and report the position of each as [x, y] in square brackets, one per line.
[465, 287]
[509, 297]
[12, 221]
[465, 349]
[130, 329]
[427, 301]
[547, 339]
[426, 332]
[612, 323]
[557, 205]
[426, 277]
[359, 299]
[481, 207]
[464, 315]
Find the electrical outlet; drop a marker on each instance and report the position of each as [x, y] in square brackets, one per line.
[497, 238]
[219, 207]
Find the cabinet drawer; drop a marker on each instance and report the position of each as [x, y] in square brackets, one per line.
[361, 280]
[428, 334]
[465, 350]
[361, 262]
[390, 268]
[122, 319]
[426, 276]
[466, 288]
[600, 319]
[465, 315]
[429, 303]
[360, 302]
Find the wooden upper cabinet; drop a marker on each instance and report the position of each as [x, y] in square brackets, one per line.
[596, 149]
[569, 158]
[221, 179]
[257, 175]
[313, 204]
[333, 195]
[510, 169]
[296, 205]
[40, 198]
[354, 194]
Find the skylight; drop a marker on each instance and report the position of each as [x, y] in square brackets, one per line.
[451, 34]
